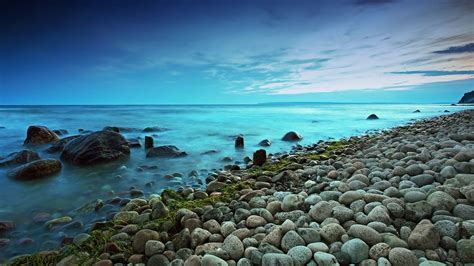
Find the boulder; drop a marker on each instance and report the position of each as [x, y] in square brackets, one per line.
[372, 117]
[95, 148]
[166, 151]
[468, 97]
[402, 257]
[36, 169]
[424, 236]
[239, 141]
[292, 136]
[153, 129]
[20, 157]
[357, 250]
[265, 143]
[259, 157]
[58, 146]
[39, 135]
[148, 142]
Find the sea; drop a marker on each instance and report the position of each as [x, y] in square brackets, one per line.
[195, 129]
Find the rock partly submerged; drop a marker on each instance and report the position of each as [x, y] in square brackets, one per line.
[165, 151]
[20, 157]
[36, 169]
[96, 148]
[40, 135]
[468, 97]
[292, 136]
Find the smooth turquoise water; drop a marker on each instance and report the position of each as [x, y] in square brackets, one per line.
[194, 129]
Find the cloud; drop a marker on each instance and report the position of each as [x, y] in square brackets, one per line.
[468, 48]
[433, 73]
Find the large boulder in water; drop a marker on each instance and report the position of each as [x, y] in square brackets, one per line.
[95, 148]
[292, 136]
[167, 151]
[372, 117]
[40, 135]
[58, 146]
[259, 157]
[21, 157]
[239, 141]
[36, 169]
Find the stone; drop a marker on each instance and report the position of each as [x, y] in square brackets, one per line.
[300, 255]
[332, 232]
[255, 221]
[211, 260]
[158, 259]
[379, 250]
[357, 250]
[96, 148]
[350, 196]
[239, 141]
[259, 157]
[291, 239]
[440, 200]
[141, 238]
[165, 151]
[418, 210]
[424, 236]
[367, 234]
[292, 202]
[309, 235]
[448, 172]
[39, 135]
[422, 180]
[380, 214]
[320, 211]
[464, 211]
[292, 136]
[148, 142]
[21, 157]
[414, 196]
[447, 228]
[274, 237]
[402, 257]
[465, 249]
[233, 246]
[36, 169]
[414, 170]
[182, 239]
[372, 117]
[464, 179]
[159, 210]
[275, 259]
[325, 259]
[265, 143]
[153, 247]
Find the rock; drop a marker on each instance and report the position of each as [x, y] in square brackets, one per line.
[440, 200]
[273, 259]
[380, 214]
[239, 141]
[274, 237]
[402, 257]
[167, 151]
[153, 129]
[464, 211]
[36, 169]
[350, 196]
[21, 157]
[211, 260]
[58, 146]
[320, 211]
[417, 111]
[291, 239]
[468, 97]
[422, 180]
[233, 246]
[95, 148]
[292, 202]
[414, 196]
[153, 247]
[367, 234]
[418, 210]
[39, 135]
[265, 143]
[292, 136]
[465, 179]
[300, 255]
[255, 221]
[259, 157]
[158, 259]
[148, 142]
[424, 236]
[324, 259]
[134, 143]
[447, 228]
[448, 172]
[379, 250]
[141, 238]
[332, 232]
[199, 236]
[357, 250]
[465, 249]
[372, 117]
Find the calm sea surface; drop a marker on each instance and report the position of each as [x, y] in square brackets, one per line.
[194, 129]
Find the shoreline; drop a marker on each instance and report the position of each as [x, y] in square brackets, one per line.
[255, 189]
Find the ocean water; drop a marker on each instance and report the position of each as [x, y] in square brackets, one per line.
[194, 129]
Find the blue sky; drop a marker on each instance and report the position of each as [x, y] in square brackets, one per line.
[198, 52]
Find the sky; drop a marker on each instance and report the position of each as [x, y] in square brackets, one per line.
[233, 52]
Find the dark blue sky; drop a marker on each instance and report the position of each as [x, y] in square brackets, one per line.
[168, 52]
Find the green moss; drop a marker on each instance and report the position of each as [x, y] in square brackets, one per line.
[40, 258]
